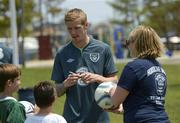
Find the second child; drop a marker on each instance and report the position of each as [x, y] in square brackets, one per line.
[45, 95]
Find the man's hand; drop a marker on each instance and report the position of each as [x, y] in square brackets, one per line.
[68, 82]
[88, 77]
[71, 79]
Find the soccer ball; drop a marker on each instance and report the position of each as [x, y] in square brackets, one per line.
[102, 98]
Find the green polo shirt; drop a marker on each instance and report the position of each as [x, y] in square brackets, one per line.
[11, 111]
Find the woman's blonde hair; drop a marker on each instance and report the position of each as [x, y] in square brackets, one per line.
[147, 42]
[75, 14]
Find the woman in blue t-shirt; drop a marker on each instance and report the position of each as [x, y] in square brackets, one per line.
[142, 85]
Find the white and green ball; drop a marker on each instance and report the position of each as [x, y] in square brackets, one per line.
[103, 99]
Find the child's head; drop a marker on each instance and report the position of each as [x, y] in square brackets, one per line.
[9, 78]
[44, 94]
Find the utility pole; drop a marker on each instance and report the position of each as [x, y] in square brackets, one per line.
[41, 17]
[12, 7]
[22, 33]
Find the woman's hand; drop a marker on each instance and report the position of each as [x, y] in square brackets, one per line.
[117, 110]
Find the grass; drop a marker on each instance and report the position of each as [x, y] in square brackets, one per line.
[31, 76]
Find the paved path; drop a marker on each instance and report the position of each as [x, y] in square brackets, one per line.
[162, 60]
[40, 63]
[49, 63]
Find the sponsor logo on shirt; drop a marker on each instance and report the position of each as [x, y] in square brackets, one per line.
[81, 70]
[70, 60]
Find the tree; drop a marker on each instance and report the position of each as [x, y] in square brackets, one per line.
[27, 16]
[24, 14]
[51, 21]
[164, 17]
[175, 17]
[157, 16]
[51, 10]
[127, 12]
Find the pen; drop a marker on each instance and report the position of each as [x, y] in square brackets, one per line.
[71, 72]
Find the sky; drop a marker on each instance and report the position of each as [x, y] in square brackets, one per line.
[97, 10]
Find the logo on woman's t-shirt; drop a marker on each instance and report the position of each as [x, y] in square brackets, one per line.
[160, 81]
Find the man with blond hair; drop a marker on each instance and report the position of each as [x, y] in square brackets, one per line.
[79, 67]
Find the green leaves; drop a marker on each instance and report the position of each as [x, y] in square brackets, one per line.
[162, 15]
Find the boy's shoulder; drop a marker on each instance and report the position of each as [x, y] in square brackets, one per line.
[11, 107]
[8, 99]
[9, 102]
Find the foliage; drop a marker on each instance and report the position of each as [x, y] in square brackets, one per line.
[24, 13]
[29, 14]
[47, 15]
[53, 6]
[127, 11]
[162, 15]
[50, 16]
[175, 9]
[30, 76]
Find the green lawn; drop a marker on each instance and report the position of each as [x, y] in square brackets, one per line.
[32, 75]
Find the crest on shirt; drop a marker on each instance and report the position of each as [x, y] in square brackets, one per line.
[94, 57]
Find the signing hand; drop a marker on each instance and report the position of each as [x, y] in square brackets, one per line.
[88, 77]
[71, 79]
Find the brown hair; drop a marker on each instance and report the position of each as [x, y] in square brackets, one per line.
[75, 14]
[147, 42]
[44, 94]
[8, 72]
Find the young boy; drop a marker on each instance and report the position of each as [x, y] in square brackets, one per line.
[11, 111]
[45, 95]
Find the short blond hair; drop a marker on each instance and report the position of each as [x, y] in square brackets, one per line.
[147, 42]
[75, 14]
